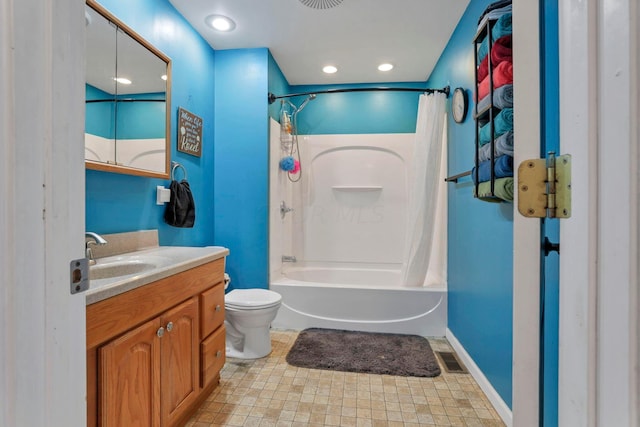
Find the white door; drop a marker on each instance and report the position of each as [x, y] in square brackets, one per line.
[599, 266]
[42, 327]
[599, 107]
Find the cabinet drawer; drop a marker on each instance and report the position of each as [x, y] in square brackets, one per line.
[213, 356]
[211, 309]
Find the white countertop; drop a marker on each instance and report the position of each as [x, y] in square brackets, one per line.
[167, 261]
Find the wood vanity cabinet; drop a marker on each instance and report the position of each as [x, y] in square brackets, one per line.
[154, 353]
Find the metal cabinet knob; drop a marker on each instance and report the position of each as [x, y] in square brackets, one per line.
[218, 308]
[169, 326]
[160, 332]
[218, 354]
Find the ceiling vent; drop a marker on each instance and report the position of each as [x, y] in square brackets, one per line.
[321, 4]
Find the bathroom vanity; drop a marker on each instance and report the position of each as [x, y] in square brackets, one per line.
[155, 339]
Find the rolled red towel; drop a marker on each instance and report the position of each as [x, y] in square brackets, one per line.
[502, 75]
[500, 51]
[483, 69]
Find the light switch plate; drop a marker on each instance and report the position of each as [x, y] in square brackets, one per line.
[163, 195]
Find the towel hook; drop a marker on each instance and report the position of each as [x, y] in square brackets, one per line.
[173, 170]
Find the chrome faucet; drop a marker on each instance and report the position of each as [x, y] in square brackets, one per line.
[289, 258]
[284, 209]
[97, 240]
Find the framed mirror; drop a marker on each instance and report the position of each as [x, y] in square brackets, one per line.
[127, 115]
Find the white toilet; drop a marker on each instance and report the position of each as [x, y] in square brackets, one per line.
[248, 316]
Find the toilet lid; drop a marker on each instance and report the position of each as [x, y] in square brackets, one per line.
[252, 298]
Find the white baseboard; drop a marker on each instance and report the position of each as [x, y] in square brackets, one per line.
[494, 398]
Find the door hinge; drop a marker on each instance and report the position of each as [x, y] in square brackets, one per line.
[544, 187]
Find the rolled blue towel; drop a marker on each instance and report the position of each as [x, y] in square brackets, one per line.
[502, 123]
[502, 145]
[501, 28]
[483, 50]
[502, 98]
[494, 7]
[502, 168]
[496, 12]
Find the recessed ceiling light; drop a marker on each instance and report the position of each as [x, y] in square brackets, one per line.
[122, 80]
[385, 67]
[220, 22]
[329, 69]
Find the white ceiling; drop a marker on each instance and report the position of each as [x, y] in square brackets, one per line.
[355, 36]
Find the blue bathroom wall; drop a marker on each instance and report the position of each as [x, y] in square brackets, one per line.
[550, 83]
[99, 115]
[136, 120]
[278, 85]
[241, 174]
[358, 112]
[141, 119]
[117, 203]
[480, 234]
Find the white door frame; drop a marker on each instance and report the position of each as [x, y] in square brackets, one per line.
[616, 218]
[598, 378]
[42, 329]
[634, 252]
[526, 231]
[578, 242]
[599, 106]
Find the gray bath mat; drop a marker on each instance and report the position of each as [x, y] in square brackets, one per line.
[364, 352]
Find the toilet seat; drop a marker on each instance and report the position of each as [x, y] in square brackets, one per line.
[251, 299]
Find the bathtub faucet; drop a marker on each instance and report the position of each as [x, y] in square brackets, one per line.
[289, 258]
[284, 209]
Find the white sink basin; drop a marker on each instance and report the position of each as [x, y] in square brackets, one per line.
[118, 266]
[116, 269]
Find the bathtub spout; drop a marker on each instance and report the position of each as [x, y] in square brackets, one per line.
[289, 258]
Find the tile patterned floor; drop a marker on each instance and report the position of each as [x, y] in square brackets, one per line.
[268, 392]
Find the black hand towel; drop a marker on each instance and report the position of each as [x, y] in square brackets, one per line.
[181, 210]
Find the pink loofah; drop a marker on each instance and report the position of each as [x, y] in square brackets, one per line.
[296, 167]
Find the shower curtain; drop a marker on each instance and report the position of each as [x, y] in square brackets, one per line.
[425, 250]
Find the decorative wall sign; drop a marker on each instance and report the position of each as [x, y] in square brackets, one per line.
[189, 133]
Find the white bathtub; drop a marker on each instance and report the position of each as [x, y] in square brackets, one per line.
[368, 299]
[367, 277]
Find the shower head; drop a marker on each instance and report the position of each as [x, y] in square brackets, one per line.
[306, 101]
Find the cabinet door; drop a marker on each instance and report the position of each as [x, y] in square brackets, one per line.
[180, 361]
[213, 356]
[211, 310]
[129, 371]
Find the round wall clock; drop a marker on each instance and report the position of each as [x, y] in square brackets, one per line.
[459, 105]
